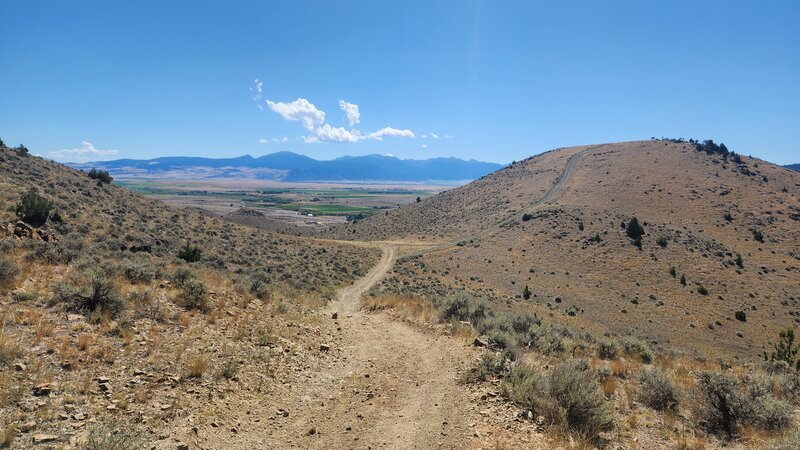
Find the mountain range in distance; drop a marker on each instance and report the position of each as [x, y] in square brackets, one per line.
[292, 167]
[795, 167]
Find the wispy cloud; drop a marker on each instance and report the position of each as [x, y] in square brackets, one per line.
[86, 153]
[256, 91]
[313, 120]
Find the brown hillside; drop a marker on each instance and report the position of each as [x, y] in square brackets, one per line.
[109, 340]
[584, 270]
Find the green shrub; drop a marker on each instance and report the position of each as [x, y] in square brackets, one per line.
[662, 241]
[739, 261]
[702, 290]
[193, 295]
[97, 295]
[607, 349]
[758, 235]
[526, 293]
[658, 391]
[526, 217]
[190, 253]
[785, 350]
[22, 151]
[101, 175]
[32, 208]
[741, 316]
[8, 272]
[634, 230]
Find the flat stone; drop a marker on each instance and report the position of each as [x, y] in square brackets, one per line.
[42, 389]
[41, 438]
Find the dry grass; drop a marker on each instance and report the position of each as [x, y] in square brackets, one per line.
[196, 367]
[84, 341]
[9, 349]
[403, 306]
[609, 387]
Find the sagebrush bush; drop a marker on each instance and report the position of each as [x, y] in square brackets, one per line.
[529, 389]
[193, 295]
[182, 275]
[567, 395]
[770, 413]
[726, 407]
[8, 272]
[139, 270]
[723, 405]
[96, 294]
[577, 392]
[607, 349]
[259, 285]
[639, 348]
[789, 442]
[658, 390]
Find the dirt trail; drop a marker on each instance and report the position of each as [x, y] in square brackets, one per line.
[385, 384]
[349, 298]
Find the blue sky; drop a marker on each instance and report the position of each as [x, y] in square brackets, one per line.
[494, 80]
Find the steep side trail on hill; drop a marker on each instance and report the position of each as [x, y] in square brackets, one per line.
[552, 194]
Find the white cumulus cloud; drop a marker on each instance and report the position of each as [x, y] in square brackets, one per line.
[300, 110]
[351, 111]
[313, 120]
[390, 132]
[263, 141]
[86, 153]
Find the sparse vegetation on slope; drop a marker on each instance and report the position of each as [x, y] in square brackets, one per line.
[102, 322]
